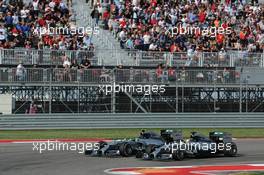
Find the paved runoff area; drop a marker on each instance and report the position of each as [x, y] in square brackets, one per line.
[19, 158]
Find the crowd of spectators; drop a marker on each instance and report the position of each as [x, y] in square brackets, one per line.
[150, 24]
[40, 24]
[225, 75]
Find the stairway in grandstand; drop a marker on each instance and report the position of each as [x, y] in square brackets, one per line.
[107, 47]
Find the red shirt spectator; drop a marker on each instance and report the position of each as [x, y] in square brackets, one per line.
[122, 23]
[106, 15]
[153, 3]
[242, 35]
[159, 71]
[57, 2]
[42, 22]
[202, 16]
[220, 38]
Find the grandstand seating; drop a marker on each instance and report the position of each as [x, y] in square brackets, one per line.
[144, 25]
[139, 41]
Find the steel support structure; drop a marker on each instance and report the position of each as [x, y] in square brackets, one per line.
[176, 99]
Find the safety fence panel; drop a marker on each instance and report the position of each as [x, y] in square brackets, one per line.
[147, 76]
[89, 121]
[44, 57]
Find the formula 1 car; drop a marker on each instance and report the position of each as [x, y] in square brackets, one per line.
[161, 151]
[218, 143]
[130, 147]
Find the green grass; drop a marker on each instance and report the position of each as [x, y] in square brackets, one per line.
[114, 133]
[249, 173]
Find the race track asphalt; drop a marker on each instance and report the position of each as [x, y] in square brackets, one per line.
[20, 159]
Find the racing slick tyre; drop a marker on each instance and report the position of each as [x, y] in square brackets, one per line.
[178, 155]
[88, 152]
[126, 150]
[139, 154]
[150, 149]
[231, 152]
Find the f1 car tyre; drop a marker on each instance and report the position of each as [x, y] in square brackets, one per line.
[88, 152]
[150, 149]
[231, 152]
[126, 150]
[139, 154]
[178, 155]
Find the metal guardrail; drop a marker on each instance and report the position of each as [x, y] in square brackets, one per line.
[43, 57]
[142, 58]
[165, 76]
[89, 121]
[201, 59]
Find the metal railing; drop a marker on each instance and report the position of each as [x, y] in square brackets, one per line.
[88, 121]
[165, 76]
[142, 58]
[43, 57]
[199, 59]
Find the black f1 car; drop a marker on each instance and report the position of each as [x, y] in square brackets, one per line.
[197, 146]
[129, 147]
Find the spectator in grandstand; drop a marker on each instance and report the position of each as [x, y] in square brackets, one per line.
[9, 20]
[69, 3]
[85, 64]
[222, 55]
[210, 77]
[21, 72]
[32, 108]
[39, 25]
[95, 14]
[161, 74]
[151, 20]
[129, 43]
[171, 74]
[183, 75]
[190, 53]
[74, 64]
[2, 36]
[122, 38]
[226, 75]
[67, 69]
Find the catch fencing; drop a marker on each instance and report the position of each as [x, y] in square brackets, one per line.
[141, 58]
[199, 59]
[92, 121]
[97, 76]
[44, 57]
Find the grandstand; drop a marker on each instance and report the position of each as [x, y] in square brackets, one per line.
[139, 42]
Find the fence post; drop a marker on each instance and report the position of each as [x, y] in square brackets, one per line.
[201, 60]
[1, 51]
[35, 57]
[261, 60]
[113, 94]
[10, 76]
[231, 61]
[45, 75]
